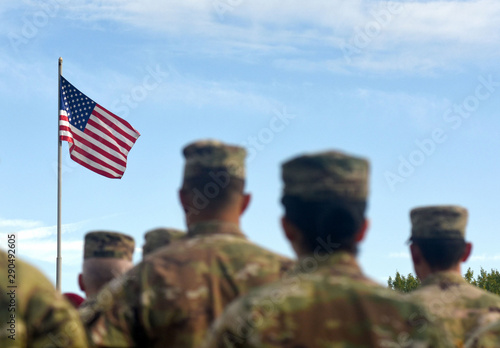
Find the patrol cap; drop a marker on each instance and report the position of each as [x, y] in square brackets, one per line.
[326, 175]
[106, 244]
[159, 237]
[438, 222]
[213, 154]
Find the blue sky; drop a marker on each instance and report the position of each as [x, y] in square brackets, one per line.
[412, 85]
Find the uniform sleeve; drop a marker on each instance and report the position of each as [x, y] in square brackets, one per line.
[52, 322]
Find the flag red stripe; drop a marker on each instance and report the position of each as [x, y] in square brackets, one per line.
[119, 143]
[125, 125]
[106, 143]
[77, 139]
[113, 126]
[97, 149]
[92, 158]
[95, 170]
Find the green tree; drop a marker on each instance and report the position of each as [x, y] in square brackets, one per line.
[402, 283]
[489, 281]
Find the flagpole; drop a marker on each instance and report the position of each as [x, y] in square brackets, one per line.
[59, 258]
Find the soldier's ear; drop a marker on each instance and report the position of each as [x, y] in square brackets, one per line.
[183, 198]
[81, 284]
[293, 234]
[416, 255]
[362, 231]
[467, 251]
[246, 202]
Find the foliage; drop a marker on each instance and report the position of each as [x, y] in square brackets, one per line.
[402, 283]
[489, 281]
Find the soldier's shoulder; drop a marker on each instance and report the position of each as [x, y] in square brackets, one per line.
[44, 312]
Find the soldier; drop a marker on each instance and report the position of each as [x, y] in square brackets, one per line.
[174, 294]
[438, 249]
[327, 301]
[106, 256]
[32, 312]
[159, 237]
[485, 337]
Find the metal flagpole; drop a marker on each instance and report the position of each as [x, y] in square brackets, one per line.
[59, 258]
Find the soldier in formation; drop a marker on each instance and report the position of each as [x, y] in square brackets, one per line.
[160, 237]
[438, 248]
[32, 312]
[106, 255]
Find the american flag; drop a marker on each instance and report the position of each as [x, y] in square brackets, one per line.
[98, 139]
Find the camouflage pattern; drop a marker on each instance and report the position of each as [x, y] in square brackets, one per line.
[86, 306]
[438, 222]
[460, 306]
[39, 315]
[159, 237]
[326, 175]
[174, 294]
[325, 302]
[485, 337]
[108, 245]
[213, 154]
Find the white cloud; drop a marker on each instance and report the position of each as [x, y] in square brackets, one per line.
[358, 35]
[37, 242]
[485, 257]
[71, 251]
[388, 35]
[18, 224]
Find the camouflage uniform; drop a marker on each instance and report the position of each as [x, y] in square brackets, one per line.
[326, 301]
[171, 298]
[485, 337]
[160, 237]
[460, 306]
[105, 245]
[42, 317]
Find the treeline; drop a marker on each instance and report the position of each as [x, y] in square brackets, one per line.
[489, 281]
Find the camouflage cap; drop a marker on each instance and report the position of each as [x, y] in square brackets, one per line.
[159, 237]
[437, 222]
[326, 175]
[107, 244]
[208, 154]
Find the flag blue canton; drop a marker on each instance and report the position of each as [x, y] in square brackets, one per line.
[78, 106]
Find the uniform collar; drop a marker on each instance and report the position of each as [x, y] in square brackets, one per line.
[341, 262]
[444, 277]
[214, 227]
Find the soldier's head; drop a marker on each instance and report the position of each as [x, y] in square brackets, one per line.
[438, 239]
[106, 255]
[213, 182]
[325, 198]
[160, 237]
